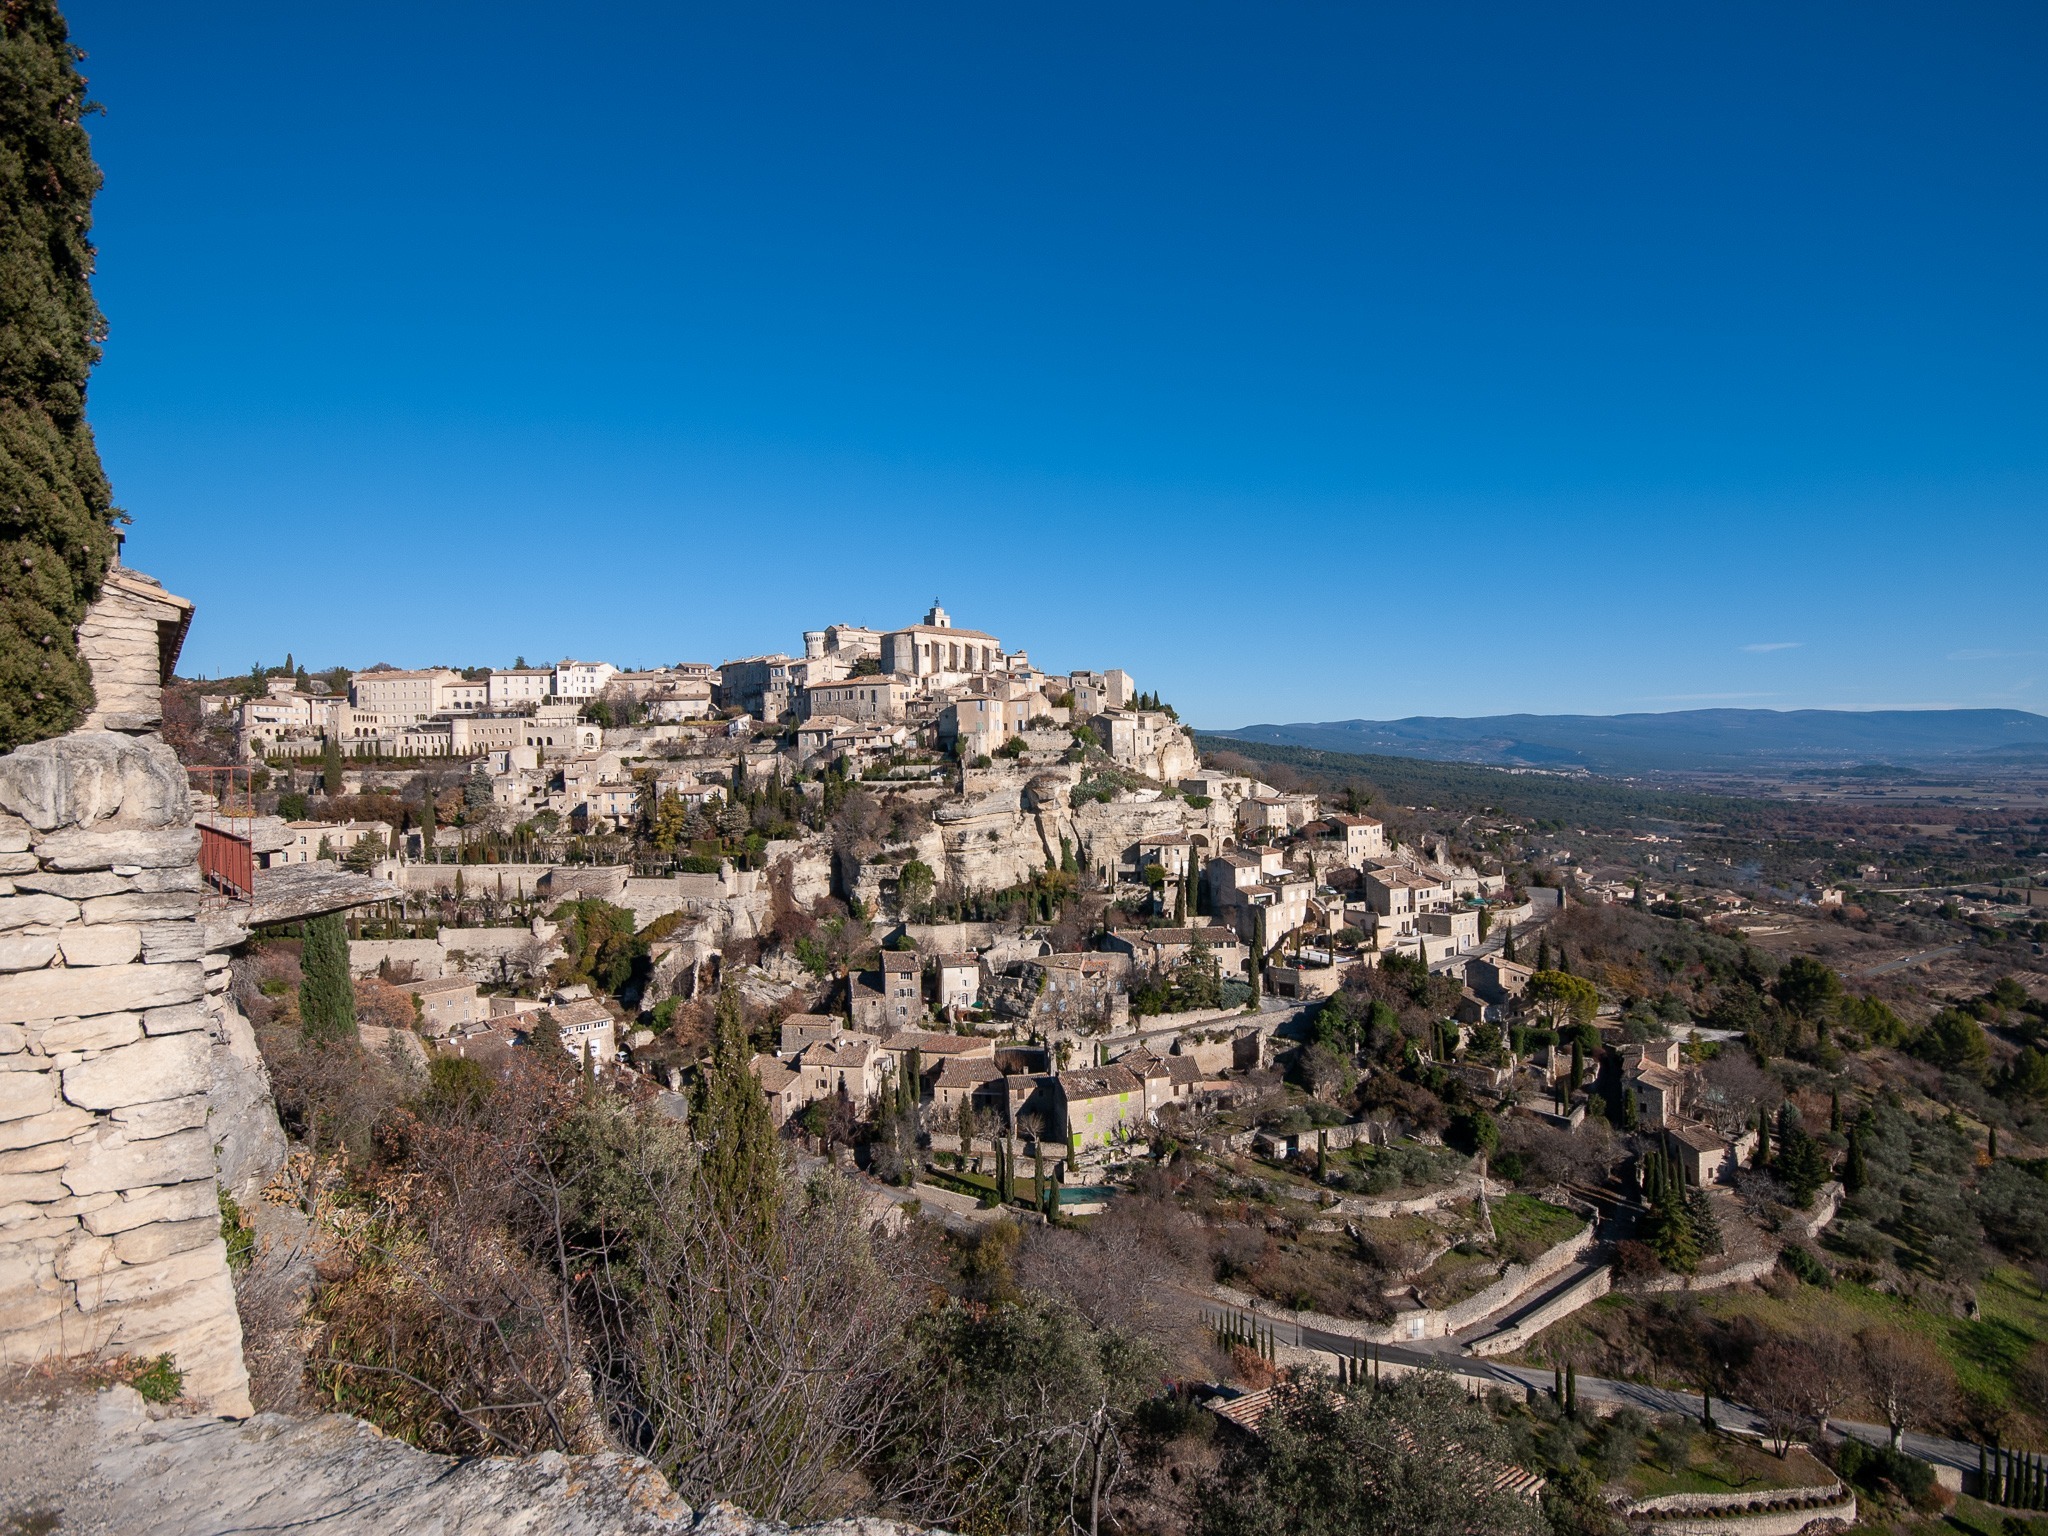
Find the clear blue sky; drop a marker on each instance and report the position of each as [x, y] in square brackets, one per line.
[1309, 362]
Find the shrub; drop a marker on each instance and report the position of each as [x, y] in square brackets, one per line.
[237, 1232]
[158, 1380]
[1807, 1267]
[1879, 1468]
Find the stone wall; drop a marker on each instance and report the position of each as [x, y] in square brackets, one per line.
[128, 1081]
[1563, 1302]
[1768, 1512]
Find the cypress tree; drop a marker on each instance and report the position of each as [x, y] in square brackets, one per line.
[1578, 1062]
[1507, 948]
[1543, 953]
[1762, 1159]
[741, 1169]
[56, 509]
[1991, 1148]
[327, 997]
[1854, 1172]
[427, 822]
[1835, 1111]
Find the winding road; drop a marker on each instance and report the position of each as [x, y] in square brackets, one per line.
[1639, 1395]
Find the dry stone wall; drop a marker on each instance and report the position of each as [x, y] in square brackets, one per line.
[127, 1078]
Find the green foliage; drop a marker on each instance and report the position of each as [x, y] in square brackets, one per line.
[1808, 988]
[1953, 1041]
[669, 824]
[159, 1380]
[1015, 747]
[1800, 1164]
[1563, 998]
[1872, 1020]
[2011, 1201]
[1668, 1228]
[292, 805]
[236, 1231]
[741, 1171]
[2027, 1078]
[915, 886]
[327, 995]
[1873, 1467]
[603, 948]
[1809, 1269]
[1402, 1458]
[1196, 982]
[330, 767]
[1039, 1394]
[56, 509]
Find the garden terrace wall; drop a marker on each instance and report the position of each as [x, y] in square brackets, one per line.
[1777, 1512]
[127, 1078]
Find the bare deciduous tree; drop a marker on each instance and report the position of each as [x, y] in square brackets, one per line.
[1903, 1378]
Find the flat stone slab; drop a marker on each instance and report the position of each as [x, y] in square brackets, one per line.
[305, 890]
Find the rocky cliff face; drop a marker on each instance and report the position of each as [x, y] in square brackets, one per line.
[90, 1463]
[123, 1066]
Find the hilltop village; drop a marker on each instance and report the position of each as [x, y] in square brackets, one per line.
[1076, 920]
[937, 876]
[1288, 1081]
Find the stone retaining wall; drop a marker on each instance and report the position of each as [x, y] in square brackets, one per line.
[126, 1074]
[1780, 1512]
[1588, 1289]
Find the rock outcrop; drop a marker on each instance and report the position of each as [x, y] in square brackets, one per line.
[93, 1463]
[125, 1071]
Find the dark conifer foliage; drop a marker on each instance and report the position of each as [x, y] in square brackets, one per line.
[56, 508]
[327, 997]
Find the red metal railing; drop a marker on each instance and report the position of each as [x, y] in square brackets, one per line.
[227, 862]
[227, 859]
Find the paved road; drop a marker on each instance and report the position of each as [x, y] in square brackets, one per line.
[1648, 1399]
[1911, 960]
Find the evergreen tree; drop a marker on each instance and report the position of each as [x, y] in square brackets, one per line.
[545, 1038]
[1543, 953]
[56, 509]
[427, 821]
[1669, 1226]
[327, 997]
[1629, 1113]
[1507, 948]
[1706, 1226]
[1855, 1172]
[740, 1173]
[1578, 1062]
[1762, 1156]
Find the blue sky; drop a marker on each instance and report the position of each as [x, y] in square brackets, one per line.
[1310, 362]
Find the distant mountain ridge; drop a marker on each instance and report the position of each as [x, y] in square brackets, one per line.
[1687, 740]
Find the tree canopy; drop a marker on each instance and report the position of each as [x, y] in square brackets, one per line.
[56, 509]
